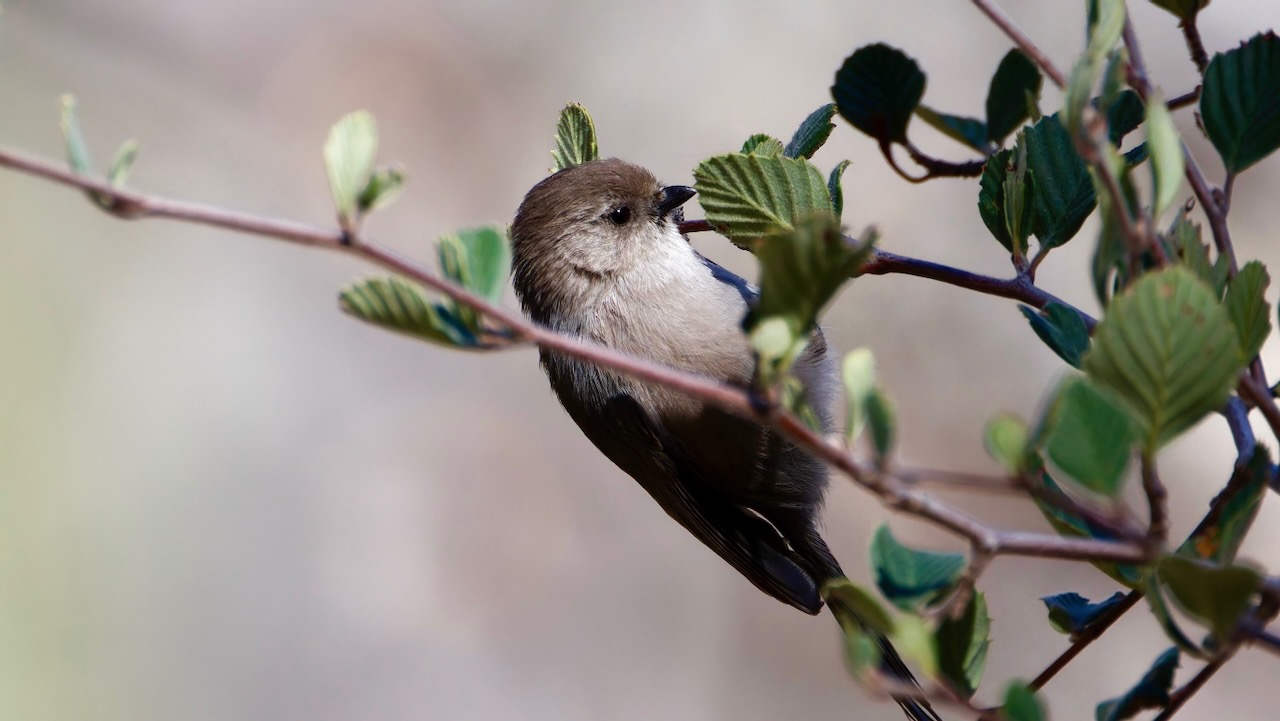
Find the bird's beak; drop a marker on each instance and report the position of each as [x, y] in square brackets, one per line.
[672, 197]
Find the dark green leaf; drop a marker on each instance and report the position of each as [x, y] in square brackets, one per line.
[1247, 305]
[1063, 188]
[962, 646]
[882, 424]
[1194, 254]
[1240, 102]
[1215, 595]
[1021, 704]
[1061, 328]
[1151, 692]
[762, 144]
[1092, 437]
[349, 153]
[834, 189]
[77, 150]
[910, 578]
[1016, 78]
[855, 608]
[575, 138]
[1219, 539]
[748, 197]
[991, 203]
[812, 133]
[1073, 614]
[123, 163]
[877, 89]
[1005, 438]
[970, 131]
[1124, 115]
[1167, 348]
[1185, 10]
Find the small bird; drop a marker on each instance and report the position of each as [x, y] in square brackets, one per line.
[598, 254]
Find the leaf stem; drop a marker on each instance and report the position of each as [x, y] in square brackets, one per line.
[1157, 503]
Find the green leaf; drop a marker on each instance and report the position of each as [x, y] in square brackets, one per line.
[855, 608]
[833, 188]
[861, 652]
[1240, 102]
[748, 197]
[1185, 10]
[1073, 614]
[1218, 539]
[1215, 595]
[348, 157]
[969, 131]
[399, 305]
[991, 202]
[1005, 438]
[77, 150]
[1019, 200]
[1169, 350]
[1247, 305]
[1165, 147]
[882, 423]
[1194, 254]
[1021, 704]
[1061, 328]
[1063, 189]
[909, 578]
[915, 642]
[877, 89]
[1124, 115]
[575, 138]
[1092, 437]
[1016, 78]
[962, 646]
[762, 144]
[1151, 692]
[859, 375]
[1105, 27]
[123, 163]
[1069, 524]
[812, 133]
[1155, 592]
[479, 259]
[383, 187]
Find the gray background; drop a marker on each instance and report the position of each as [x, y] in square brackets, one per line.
[223, 500]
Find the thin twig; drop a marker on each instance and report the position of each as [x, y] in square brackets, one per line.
[1006, 24]
[1195, 46]
[1186, 99]
[1088, 636]
[134, 205]
[958, 480]
[1183, 694]
[1157, 503]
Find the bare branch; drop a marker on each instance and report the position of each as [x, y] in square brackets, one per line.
[1006, 24]
[1090, 634]
[1157, 503]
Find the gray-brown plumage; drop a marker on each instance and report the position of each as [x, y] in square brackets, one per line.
[597, 254]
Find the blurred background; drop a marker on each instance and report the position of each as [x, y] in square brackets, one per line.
[224, 500]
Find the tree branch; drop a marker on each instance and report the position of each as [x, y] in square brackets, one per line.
[1088, 636]
[1195, 46]
[1019, 38]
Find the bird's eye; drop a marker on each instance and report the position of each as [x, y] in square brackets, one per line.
[620, 215]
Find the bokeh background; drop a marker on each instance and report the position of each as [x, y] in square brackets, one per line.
[221, 499]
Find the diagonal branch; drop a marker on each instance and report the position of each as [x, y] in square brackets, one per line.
[1015, 33]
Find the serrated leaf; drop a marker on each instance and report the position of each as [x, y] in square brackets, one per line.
[76, 149]
[1005, 438]
[1247, 305]
[969, 131]
[575, 138]
[1015, 79]
[123, 163]
[858, 371]
[1092, 437]
[1021, 704]
[1194, 254]
[1185, 10]
[882, 424]
[1063, 189]
[991, 202]
[762, 144]
[962, 646]
[834, 189]
[1215, 595]
[748, 197]
[383, 187]
[399, 305]
[812, 133]
[877, 89]
[1168, 349]
[1061, 328]
[855, 608]
[910, 578]
[349, 153]
[1073, 614]
[1151, 692]
[1218, 539]
[1165, 147]
[1240, 101]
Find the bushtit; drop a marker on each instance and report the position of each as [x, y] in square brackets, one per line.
[597, 254]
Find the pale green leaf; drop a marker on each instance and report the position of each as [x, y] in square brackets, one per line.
[349, 154]
[575, 138]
